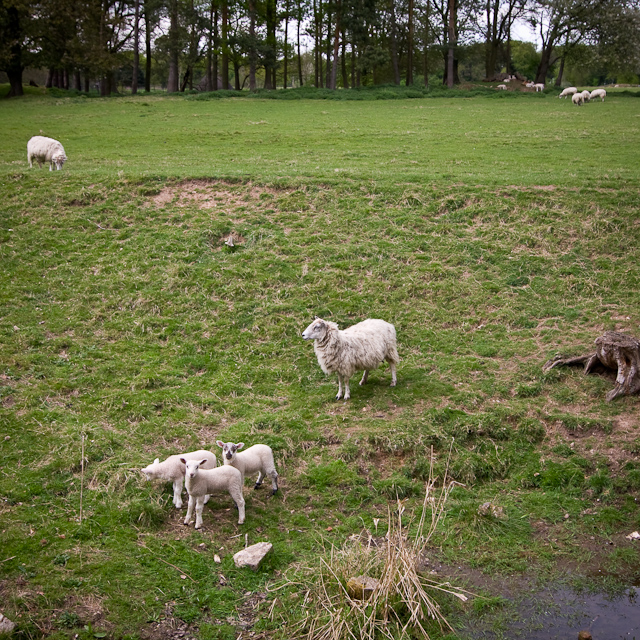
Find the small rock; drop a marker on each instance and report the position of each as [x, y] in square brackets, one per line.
[6, 626]
[585, 635]
[216, 559]
[489, 509]
[361, 587]
[252, 556]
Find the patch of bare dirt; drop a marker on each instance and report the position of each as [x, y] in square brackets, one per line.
[207, 194]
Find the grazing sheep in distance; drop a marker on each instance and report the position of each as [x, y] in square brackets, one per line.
[538, 87]
[501, 87]
[530, 85]
[598, 93]
[577, 98]
[43, 149]
[258, 458]
[586, 95]
[569, 91]
[172, 470]
[362, 346]
[203, 482]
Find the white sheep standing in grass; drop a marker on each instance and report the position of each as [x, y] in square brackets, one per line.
[586, 96]
[538, 87]
[501, 87]
[203, 482]
[598, 93]
[172, 470]
[577, 98]
[258, 458]
[569, 91]
[362, 346]
[42, 149]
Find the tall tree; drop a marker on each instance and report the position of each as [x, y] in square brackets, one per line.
[14, 25]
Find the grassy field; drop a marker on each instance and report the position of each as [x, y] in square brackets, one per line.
[492, 231]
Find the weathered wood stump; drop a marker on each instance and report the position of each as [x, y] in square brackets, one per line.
[614, 350]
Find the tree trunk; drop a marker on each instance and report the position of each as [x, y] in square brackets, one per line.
[545, 64]
[216, 46]
[49, 83]
[87, 82]
[394, 42]
[327, 80]
[425, 65]
[14, 67]
[147, 47]
[336, 48]
[236, 73]
[343, 62]
[225, 44]
[252, 47]
[560, 72]
[614, 350]
[286, 45]
[452, 43]
[77, 81]
[173, 79]
[316, 45]
[136, 48]
[300, 81]
[409, 79]
[210, 50]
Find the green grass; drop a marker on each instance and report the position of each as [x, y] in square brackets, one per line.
[492, 232]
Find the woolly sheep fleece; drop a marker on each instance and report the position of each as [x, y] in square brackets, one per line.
[42, 149]
[362, 346]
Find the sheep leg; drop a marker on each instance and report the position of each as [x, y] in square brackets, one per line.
[339, 387]
[199, 506]
[187, 518]
[394, 379]
[274, 481]
[238, 498]
[177, 493]
[259, 480]
[206, 498]
[347, 392]
[365, 376]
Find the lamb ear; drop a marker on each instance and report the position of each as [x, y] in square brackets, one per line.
[156, 461]
[203, 462]
[239, 445]
[220, 443]
[183, 461]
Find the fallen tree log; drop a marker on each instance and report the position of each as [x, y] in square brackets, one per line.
[614, 350]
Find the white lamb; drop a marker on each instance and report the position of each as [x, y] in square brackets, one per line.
[598, 93]
[258, 458]
[538, 87]
[577, 98]
[530, 85]
[501, 87]
[586, 95]
[362, 346]
[203, 482]
[172, 470]
[569, 91]
[43, 149]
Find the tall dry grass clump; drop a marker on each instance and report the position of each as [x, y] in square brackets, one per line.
[400, 601]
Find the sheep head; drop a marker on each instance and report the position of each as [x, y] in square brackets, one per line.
[192, 466]
[316, 330]
[229, 450]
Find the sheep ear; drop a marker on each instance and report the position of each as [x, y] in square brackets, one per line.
[203, 462]
[183, 461]
[156, 461]
[220, 443]
[239, 445]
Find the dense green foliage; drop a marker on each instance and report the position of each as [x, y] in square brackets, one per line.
[492, 232]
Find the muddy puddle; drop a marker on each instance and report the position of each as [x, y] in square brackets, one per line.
[561, 614]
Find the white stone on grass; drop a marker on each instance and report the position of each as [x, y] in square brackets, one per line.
[252, 556]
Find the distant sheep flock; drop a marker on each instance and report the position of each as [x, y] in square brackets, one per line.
[577, 97]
